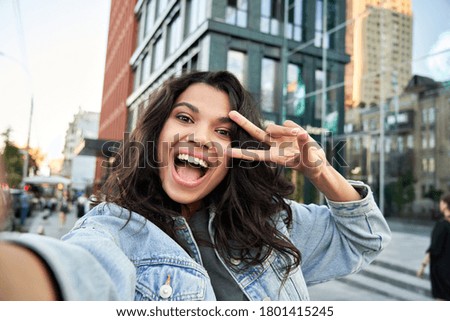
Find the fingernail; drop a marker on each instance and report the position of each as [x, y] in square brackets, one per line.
[295, 131]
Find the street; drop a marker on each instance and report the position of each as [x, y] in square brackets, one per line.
[391, 277]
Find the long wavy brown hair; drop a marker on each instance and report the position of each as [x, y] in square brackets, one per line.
[246, 201]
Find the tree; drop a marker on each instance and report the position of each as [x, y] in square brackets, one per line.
[400, 192]
[35, 159]
[13, 161]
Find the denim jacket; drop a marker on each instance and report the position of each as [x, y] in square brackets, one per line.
[102, 258]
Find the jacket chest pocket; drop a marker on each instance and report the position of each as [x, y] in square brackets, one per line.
[170, 280]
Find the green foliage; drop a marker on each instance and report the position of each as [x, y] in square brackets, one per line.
[13, 161]
[401, 192]
[434, 194]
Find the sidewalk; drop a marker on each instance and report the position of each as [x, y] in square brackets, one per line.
[408, 245]
[49, 224]
[392, 276]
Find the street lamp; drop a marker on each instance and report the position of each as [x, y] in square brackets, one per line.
[27, 156]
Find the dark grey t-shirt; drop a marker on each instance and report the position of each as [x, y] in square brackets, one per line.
[224, 285]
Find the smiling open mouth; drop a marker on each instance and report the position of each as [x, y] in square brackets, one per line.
[190, 168]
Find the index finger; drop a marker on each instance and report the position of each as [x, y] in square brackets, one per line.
[248, 126]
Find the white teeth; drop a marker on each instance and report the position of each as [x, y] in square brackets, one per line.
[192, 160]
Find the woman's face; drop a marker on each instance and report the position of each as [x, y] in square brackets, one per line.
[192, 145]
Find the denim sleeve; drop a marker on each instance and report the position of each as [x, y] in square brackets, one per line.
[340, 239]
[88, 267]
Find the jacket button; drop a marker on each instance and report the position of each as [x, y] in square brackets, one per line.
[235, 261]
[165, 291]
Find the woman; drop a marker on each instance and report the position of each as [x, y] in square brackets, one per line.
[196, 209]
[438, 254]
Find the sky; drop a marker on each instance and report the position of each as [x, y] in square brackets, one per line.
[65, 48]
[59, 61]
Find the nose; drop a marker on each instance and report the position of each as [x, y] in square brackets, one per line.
[200, 136]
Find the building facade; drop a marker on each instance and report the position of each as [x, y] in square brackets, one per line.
[416, 147]
[117, 84]
[79, 168]
[380, 44]
[245, 38]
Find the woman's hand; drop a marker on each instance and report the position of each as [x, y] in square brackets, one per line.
[420, 272]
[289, 145]
[426, 260]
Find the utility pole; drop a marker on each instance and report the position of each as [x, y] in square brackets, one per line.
[284, 62]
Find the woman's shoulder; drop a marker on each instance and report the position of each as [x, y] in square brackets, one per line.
[442, 225]
[107, 216]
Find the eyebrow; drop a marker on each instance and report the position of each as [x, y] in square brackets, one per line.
[188, 105]
[222, 120]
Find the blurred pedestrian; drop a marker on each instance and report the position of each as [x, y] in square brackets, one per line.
[64, 209]
[3, 195]
[196, 208]
[24, 207]
[438, 254]
[81, 205]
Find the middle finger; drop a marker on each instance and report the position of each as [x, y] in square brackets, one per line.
[249, 127]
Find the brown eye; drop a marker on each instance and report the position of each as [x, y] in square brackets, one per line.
[184, 118]
[224, 132]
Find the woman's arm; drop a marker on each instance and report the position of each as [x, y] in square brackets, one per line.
[24, 276]
[340, 238]
[423, 265]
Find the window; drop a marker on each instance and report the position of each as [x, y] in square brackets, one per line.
[197, 13]
[150, 15]
[320, 78]
[271, 16]
[400, 145]
[431, 165]
[295, 100]
[387, 144]
[432, 115]
[424, 116]
[424, 141]
[365, 125]
[141, 28]
[410, 141]
[175, 34]
[237, 12]
[331, 12]
[431, 141]
[237, 64]
[348, 128]
[357, 144]
[318, 24]
[132, 118]
[145, 70]
[268, 80]
[162, 5]
[137, 78]
[295, 20]
[425, 165]
[191, 64]
[158, 53]
[374, 145]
